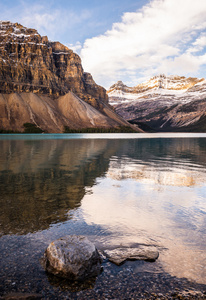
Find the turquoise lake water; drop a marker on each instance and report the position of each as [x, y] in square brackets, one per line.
[117, 189]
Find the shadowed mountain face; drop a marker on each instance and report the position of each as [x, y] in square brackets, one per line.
[43, 83]
[163, 103]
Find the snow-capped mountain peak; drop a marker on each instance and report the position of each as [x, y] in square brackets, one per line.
[180, 89]
[164, 103]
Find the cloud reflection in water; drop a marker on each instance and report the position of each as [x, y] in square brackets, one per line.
[159, 200]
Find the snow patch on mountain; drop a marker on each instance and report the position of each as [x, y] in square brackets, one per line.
[163, 103]
[171, 90]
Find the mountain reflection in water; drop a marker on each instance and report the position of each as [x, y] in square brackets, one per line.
[117, 191]
[41, 181]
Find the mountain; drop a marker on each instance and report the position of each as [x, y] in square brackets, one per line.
[43, 83]
[163, 103]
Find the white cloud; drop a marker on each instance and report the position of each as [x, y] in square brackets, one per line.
[201, 41]
[198, 45]
[183, 64]
[148, 41]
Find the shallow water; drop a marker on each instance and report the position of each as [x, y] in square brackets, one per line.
[121, 189]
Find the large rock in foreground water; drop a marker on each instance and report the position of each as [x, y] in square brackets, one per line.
[73, 257]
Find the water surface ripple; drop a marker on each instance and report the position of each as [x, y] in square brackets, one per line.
[116, 190]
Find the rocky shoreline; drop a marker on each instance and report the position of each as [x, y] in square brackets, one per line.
[112, 284]
[131, 280]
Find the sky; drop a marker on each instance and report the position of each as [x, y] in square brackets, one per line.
[122, 40]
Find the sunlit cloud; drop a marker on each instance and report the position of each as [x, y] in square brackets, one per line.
[155, 39]
[198, 45]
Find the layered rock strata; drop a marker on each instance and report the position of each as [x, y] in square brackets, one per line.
[43, 83]
[32, 63]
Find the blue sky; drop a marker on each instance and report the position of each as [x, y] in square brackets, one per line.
[68, 21]
[122, 40]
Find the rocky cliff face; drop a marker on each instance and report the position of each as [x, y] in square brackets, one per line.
[163, 103]
[31, 63]
[43, 83]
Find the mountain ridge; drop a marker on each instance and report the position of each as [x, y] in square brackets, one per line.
[43, 83]
[173, 103]
[32, 63]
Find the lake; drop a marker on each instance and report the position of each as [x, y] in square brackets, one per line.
[116, 189]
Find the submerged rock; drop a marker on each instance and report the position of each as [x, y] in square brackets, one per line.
[119, 255]
[73, 257]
